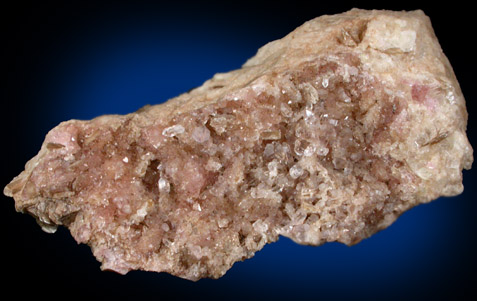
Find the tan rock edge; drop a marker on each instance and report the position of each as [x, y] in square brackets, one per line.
[328, 134]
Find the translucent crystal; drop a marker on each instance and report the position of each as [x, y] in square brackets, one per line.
[201, 134]
[296, 171]
[173, 130]
[163, 185]
[325, 82]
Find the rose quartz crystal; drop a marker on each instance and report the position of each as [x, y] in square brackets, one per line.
[328, 134]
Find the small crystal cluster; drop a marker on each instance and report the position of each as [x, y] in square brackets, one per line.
[326, 135]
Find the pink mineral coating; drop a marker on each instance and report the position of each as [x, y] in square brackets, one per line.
[328, 134]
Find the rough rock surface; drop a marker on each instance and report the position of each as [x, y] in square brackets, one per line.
[328, 134]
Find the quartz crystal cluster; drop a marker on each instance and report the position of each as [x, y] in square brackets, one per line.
[328, 134]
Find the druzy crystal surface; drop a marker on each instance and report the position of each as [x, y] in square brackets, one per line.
[328, 134]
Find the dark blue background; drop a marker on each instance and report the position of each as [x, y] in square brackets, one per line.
[80, 60]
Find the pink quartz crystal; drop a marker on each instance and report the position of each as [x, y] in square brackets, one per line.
[328, 134]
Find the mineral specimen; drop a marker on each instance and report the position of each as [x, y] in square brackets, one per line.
[328, 134]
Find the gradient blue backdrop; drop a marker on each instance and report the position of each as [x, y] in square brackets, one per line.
[80, 60]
